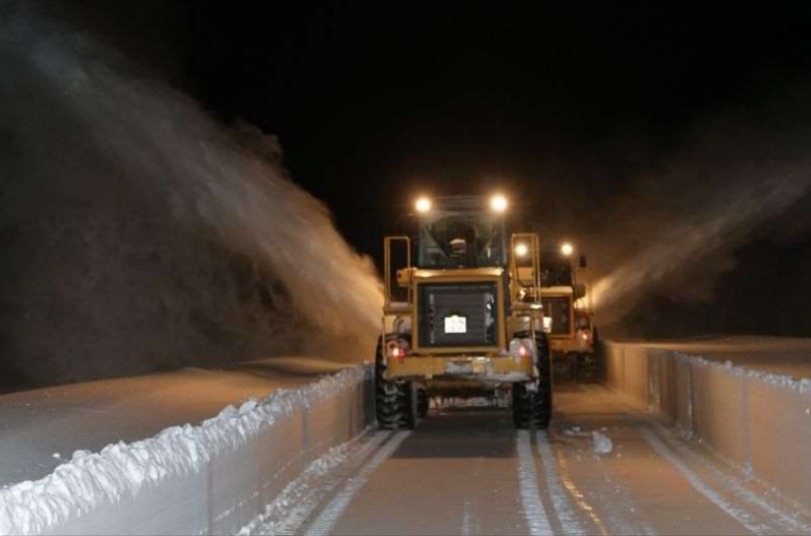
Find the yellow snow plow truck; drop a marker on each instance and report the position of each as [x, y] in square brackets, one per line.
[462, 315]
[568, 315]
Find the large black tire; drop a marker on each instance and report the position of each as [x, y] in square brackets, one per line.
[412, 405]
[395, 402]
[543, 402]
[522, 406]
[423, 403]
[587, 367]
[532, 403]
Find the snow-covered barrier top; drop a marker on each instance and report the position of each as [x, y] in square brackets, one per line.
[106, 481]
[782, 381]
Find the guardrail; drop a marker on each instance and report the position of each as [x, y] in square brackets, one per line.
[759, 421]
[208, 479]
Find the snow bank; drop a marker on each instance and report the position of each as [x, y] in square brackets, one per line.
[210, 478]
[757, 420]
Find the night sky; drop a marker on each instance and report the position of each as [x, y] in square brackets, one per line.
[576, 110]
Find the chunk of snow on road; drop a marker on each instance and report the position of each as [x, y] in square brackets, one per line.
[121, 470]
[602, 443]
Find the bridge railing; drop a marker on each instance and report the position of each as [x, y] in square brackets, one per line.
[761, 422]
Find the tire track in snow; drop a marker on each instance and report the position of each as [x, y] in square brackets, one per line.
[570, 524]
[700, 485]
[622, 516]
[300, 498]
[467, 524]
[580, 499]
[534, 512]
[329, 516]
[787, 523]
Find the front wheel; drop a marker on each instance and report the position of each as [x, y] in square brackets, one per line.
[395, 401]
[532, 401]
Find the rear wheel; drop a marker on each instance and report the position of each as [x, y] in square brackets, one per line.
[522, 406]
[423, 402]
[395, 401]
[532, 402]
[587, 370]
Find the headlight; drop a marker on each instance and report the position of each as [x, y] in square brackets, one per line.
[423, 204]
[498, 203]
[583, 336]
[521, 250]
[567, 249]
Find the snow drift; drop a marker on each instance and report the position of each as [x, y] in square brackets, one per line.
[212, 478]
[139, 233]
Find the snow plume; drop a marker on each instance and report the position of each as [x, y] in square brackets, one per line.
[677, 228]
[720, 227]
[138, 233]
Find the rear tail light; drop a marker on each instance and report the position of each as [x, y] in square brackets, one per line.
[397, 349]
[522, 348]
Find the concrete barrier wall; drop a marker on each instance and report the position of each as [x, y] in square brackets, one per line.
[759, 421]
[207, 479]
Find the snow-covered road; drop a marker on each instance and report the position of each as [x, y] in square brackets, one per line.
[40, 429]
[605, 467]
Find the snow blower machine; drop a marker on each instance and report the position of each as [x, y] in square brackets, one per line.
[568, 315]
[462, 316]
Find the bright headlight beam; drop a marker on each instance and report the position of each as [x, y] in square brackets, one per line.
[567, 249]
[423, 204]
[498, 203]
[521, 250]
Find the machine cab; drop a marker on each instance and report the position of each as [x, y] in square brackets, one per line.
[461, 233]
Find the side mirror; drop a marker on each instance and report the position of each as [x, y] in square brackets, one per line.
[582, 261]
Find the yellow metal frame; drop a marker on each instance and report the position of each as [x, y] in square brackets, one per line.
[487, 363]
[569, 345]
[436, 366]
[516, 284]
[389, 306]
[572, 326]
[462, 275]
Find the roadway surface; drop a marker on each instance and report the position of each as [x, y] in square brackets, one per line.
[466, 471]
[606, 466]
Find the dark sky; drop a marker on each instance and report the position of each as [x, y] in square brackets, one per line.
[571, 108]
[373, 101]
[372, 104]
